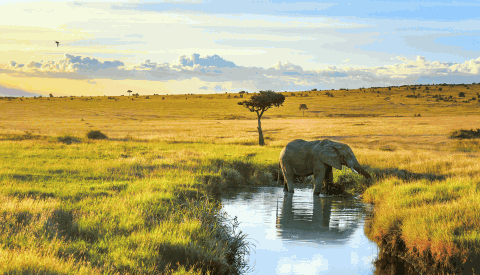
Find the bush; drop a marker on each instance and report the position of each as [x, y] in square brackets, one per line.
[245, 169]
[213, 183]
[96, 135]
[231, 177]
[262, 178]
[464, 134]
[68, 139]
[461, 94]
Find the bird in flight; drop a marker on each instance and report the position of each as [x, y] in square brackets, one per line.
[57, 43]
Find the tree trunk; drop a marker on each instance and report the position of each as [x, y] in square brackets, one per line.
[261, 142]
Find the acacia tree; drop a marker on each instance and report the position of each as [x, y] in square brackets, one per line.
[303, 107]
[129, 92]
[261, 102]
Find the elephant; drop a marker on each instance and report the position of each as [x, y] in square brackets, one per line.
[306, 158]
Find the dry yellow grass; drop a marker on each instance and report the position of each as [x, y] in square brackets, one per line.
[364, 117]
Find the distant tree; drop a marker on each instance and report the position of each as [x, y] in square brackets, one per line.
[129, 92]
[260, 103]
[50, 95]
[241, 92]
[303, 107]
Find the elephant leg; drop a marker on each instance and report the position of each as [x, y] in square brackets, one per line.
[328, 182]
[288, 178]
[319, 174]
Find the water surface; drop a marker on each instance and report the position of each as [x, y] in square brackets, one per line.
[302, 234]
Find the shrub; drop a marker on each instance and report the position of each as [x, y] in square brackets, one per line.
[231, 177]
[96, 135]
[262, 178]
[461, 94]
[68, 139]
[464, 134]
[245, 169]
[213, 183]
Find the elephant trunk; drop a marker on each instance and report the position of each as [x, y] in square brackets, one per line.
[356, 167]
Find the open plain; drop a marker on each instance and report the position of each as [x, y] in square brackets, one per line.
[140, 200]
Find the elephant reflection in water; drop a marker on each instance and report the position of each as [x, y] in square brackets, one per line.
[296, 222]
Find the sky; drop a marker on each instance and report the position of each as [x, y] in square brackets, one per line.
[218, 46]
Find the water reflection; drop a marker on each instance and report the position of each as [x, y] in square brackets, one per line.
[302, 234]
[323, 220]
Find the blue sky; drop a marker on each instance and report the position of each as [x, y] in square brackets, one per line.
[195, 46]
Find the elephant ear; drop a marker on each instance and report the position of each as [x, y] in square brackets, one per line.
[330, 155]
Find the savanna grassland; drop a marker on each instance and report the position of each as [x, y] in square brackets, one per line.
[145, 200]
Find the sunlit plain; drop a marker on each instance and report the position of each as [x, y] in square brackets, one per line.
[163, 146]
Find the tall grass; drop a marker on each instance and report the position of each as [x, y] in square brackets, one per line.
[115, 207]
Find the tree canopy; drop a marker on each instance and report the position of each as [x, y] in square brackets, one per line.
[303, 107]
[261, 102]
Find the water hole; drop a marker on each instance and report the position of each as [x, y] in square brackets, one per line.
[304, 234]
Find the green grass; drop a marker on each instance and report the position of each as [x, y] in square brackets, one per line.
[117, 207]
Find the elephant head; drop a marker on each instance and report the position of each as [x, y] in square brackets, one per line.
[337, 154]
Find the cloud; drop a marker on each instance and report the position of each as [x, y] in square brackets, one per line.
[213, 73]
[218, 89]
[195, 59]
[5, 91]
[69, 64]
[74, 67]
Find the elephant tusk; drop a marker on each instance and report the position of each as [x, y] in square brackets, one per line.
[354, 170]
